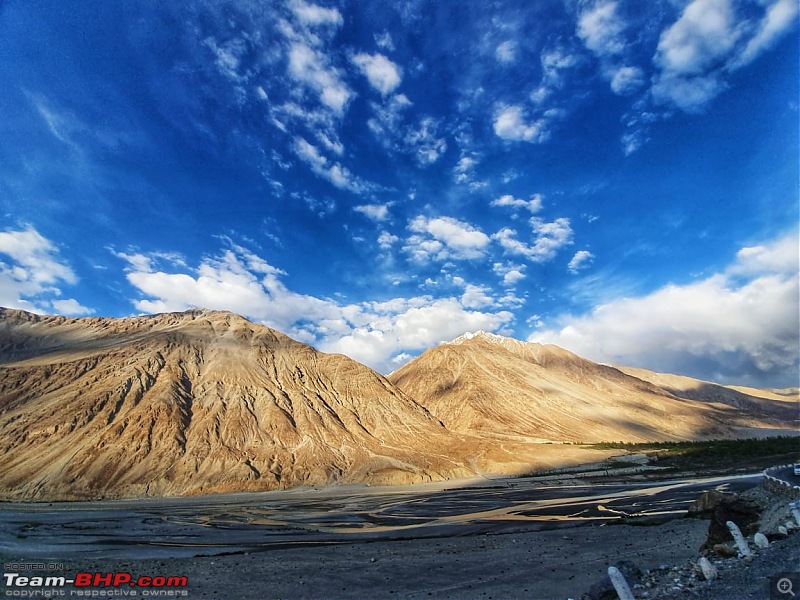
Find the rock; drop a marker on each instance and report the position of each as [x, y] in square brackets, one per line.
[705, 503]
[761, 540]
[741, 512]
[725, 550]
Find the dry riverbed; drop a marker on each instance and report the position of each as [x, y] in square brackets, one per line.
[516, 549]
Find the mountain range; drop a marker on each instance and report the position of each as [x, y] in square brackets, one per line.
[206, 401]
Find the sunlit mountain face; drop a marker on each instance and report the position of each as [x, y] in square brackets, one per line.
[617, 177]
[202, 402]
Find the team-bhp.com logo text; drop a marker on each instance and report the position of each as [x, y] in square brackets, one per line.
[94, 585]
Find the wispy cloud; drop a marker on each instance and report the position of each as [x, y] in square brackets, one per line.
[332, 171]
[426, 142]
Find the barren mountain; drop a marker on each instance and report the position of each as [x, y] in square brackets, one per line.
[492, 385]
[197, 402]
[778, 404]
[202, 402]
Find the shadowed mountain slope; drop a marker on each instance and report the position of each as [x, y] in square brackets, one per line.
[197, 402]
[492, 385]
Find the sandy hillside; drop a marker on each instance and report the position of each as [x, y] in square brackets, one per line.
[198, 402]
[501, 386]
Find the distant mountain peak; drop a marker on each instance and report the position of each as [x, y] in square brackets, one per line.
[480, 334]
[492, 338]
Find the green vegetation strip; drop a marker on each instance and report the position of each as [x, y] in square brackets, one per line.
[721, 454]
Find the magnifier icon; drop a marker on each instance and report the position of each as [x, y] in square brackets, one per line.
[784, 586]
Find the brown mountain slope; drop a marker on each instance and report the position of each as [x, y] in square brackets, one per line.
[779, 407]
[194, 403]
[506, 388]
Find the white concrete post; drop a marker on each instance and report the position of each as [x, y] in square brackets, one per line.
[741, 543]
[619, 583]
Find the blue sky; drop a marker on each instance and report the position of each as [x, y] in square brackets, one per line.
[614, 176]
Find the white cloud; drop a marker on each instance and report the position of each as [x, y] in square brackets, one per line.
[555, 63]
[384, 41]
[311, 67]
[626, 80]
[510, 124]
[779, 256]
[475, 296]
[33, 272]
[581, 260]
[312, 15]
[511, 273]
[600, 28]
[740, 325]
[413, 324]
[425, 142]
[373, 332]
[464, 168]
[333, 145]
[506, 52]
[705, 33]
[548, 239]
[690, 94]
[386, 240]
[228, 56]
[534, 205]
[70, 306]
[780, 16]
[709, 41]
[35, 256]
[443, 238]
[236, 280]
[382, 73]
[376, 212]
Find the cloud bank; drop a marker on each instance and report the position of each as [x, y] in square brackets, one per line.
[740, 325]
